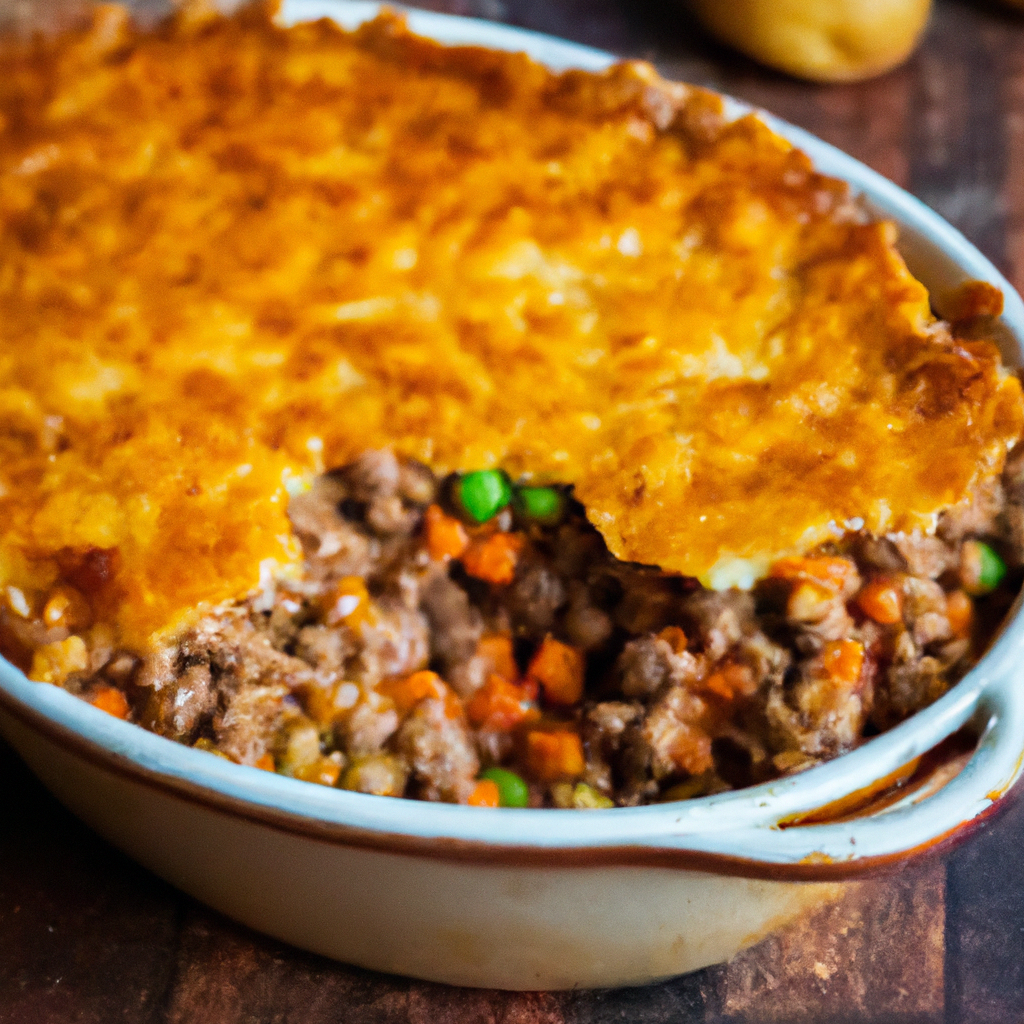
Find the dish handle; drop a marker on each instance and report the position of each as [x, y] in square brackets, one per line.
[918, 820]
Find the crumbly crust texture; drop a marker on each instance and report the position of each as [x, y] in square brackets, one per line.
[234, 254]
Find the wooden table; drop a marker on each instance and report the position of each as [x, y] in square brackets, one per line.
[87, 936]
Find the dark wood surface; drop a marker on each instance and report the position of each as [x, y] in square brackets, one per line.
[87, 936]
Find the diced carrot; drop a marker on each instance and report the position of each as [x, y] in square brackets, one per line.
[500, 705]
[324, 772]
[494, 558]
[551, 756]
[453, 706]
[485, 794]
[111, 700]
[843, 662]
[496, 650]
[408, 692]
[830, 571]
[446, 536]
[348, 601]
[960, 612]
[716, 684]
[559, 669]
[882, 600]
[266, 763]
[731, 680]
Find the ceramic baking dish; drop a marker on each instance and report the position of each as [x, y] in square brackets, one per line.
[526, 899]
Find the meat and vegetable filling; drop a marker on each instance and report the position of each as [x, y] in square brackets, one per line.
[468, 640]
[236, 253]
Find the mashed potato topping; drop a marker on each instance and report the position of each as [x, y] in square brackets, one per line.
[232, 255]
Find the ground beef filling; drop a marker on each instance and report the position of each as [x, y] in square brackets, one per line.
[420, 650]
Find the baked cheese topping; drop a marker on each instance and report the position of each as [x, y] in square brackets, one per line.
[233, 254]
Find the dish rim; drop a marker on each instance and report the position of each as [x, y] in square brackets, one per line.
[737, 832]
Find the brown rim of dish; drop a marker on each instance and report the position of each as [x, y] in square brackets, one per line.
[471, 851]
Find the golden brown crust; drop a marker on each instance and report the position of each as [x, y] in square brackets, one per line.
[233, 254]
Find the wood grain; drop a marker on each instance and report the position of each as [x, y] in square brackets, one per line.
[877, 953]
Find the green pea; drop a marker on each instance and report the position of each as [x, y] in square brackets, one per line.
[982, 569]
[541, 503]
[483, 494]
[512, 790]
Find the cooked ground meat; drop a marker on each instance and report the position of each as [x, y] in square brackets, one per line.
[420, 646]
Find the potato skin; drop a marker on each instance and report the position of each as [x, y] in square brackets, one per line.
[823, 40]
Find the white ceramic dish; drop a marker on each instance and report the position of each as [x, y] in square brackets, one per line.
[519, 898]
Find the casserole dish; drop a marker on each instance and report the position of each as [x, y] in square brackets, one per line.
[495, 899]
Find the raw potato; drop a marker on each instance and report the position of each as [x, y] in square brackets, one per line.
[824, 40]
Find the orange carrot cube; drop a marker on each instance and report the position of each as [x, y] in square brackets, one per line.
[716, 684]
[446, 537]
[559, 669]
[485, 794]
[831, 572]
[551, 756]
[500, 705]
[960, 612]
[408, 692]
[843, 661]
[494, 558]
[882, 600]
[731, 680]
[111, 700]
